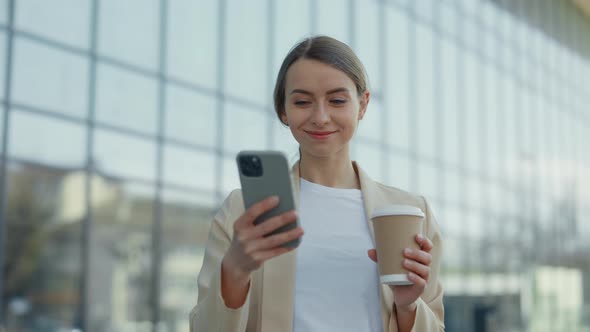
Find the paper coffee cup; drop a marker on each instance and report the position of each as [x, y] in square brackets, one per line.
[396, 227]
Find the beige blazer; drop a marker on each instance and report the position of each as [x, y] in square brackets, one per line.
[269, 304]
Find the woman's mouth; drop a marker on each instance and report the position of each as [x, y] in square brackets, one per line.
[320, 135]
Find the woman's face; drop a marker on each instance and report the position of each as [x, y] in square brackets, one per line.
[322, 107]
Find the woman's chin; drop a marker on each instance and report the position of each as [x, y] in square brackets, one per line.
[322, 151]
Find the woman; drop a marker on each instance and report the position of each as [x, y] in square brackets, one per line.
[248, 282]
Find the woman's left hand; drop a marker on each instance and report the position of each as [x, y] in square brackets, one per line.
[417, 262]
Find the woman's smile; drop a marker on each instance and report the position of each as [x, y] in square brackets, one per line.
[320, 135]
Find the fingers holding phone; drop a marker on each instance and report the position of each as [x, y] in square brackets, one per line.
[253, 244]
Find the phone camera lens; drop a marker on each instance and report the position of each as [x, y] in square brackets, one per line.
[250, 166]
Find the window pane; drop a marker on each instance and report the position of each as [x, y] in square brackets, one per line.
[186, 221]
[370, 159]
[475, 225]
[425, 116]
[54, 142]
[244, 128]
[400, 171]
[190, 116]
[44, 212]
[470, 6]
[428, 180]
[121, 155]
[368, 47]
[471, 33]
[490, 46]
[370, 125]
[3, 11]
[492, 121]
[396, 99]
[332, 19]
[505, 25]
[449, 106]
[509, 130]
[511, 60]
[66, 21]
[527, 122]
[128, 31]
[452, 260]
[454, 221]
[473, 193]
[284, 141]
[189, 168]
[120, 256]
[246, 69]
[126, 99]
[50, 79]
[448, 18]
[2, 60]
[496, 199]
[192, 41]
[292, 23]
[471, 114]
[424, 10]
[231, 178]
[454, 187]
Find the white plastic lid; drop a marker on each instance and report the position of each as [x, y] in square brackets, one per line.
[395, 279]
[397, 210]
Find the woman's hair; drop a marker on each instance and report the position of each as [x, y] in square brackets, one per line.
[324, 49]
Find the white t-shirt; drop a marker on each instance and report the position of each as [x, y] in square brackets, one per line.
[336, 284]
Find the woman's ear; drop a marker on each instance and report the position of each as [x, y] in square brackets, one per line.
[284, 118]
[364, 103]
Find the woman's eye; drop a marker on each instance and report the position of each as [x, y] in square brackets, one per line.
[301, 102]
[338, 101]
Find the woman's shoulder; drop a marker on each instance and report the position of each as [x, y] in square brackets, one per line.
[391, 194]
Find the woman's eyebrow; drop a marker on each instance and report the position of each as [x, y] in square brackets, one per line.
[337, 90]
[305, 92]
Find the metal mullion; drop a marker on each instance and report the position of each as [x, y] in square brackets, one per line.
[438, 98]
[412, 95]
[519, 140]
[461, 125]
[382, 63]
[66, 48]
[270, 48]
[484, 188]
[157, 226]
[47, 113]
[5, 138]
[221, 100]
[313, 16]
[90, 171]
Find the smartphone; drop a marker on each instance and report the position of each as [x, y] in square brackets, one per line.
[264, 174]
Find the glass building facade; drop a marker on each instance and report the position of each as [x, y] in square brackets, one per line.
[120, 121]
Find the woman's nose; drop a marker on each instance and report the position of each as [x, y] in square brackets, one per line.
[320, 115]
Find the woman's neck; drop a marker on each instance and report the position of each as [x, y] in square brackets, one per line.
[336, 172]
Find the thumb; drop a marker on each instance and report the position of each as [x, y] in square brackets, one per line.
[372, 253]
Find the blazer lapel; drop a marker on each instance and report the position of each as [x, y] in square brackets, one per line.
[278, 284]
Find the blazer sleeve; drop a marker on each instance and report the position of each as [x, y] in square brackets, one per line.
[429, 310]
[211, 314]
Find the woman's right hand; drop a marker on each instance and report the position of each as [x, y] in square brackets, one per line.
[250, 248]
